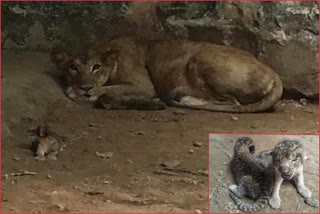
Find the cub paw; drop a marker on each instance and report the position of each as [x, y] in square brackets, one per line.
[305, 192]
[234, 189]
[275, 202]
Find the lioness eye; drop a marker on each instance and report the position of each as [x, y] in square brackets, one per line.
[73, 69]
[95, 68]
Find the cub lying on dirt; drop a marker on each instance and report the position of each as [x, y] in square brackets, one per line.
[125, 73]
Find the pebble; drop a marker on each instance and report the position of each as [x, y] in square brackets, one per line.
[308, 111]
[198, 211]
[155, 120]
[303, 101]
[234, 118]
[171, 163]
[197, 144]
[58, 207]
[191, 151]
[16, 158]
[140, 133]
[253, 126]
[49, 176]
[105, 155]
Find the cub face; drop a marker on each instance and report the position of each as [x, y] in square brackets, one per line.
[244, 145]
[288, 158]
[86, 73]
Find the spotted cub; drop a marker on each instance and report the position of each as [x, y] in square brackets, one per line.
[254, 180]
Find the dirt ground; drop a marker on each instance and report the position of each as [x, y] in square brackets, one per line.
[132, 179]
[221, 152]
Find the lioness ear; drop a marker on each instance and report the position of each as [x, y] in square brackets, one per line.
[59, 58]
[110, 57]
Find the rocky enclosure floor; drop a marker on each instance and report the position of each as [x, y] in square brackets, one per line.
[132, 178]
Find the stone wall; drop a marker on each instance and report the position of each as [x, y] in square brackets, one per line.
[284, 35]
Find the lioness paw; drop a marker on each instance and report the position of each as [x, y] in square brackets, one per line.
[275, 202]
[70, 93]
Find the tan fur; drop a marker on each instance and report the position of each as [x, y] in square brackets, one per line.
[50, 147]
[181, 73]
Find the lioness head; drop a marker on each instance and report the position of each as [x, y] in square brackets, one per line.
[88, 71]
[288, 158]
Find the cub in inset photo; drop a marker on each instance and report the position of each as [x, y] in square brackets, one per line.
[264, 173]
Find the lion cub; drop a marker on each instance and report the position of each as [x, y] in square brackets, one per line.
[47, 144]
[254, 180]
[288, 157]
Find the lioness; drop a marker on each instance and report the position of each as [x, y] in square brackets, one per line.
[124, 72]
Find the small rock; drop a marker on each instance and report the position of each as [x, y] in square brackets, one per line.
[198, 211]
[105, 155]
[99, 137]
[107, 182]
[191, 151]
[16, 158]
[140, 133]
[98, 192]
[253, 126]
[308, 111]
[36, 202]
[49, 176]
[234, 118]
[130, 161]
[171, 163]
[203, 172]
[58, 207]
[303, 101]
[155, 120]
[197, 144]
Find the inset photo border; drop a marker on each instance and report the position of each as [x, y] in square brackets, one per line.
[247, 165]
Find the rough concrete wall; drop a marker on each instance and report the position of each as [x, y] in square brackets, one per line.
[42, 25]
[282, 34]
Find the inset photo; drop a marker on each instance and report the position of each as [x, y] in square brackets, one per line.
[263, 173]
